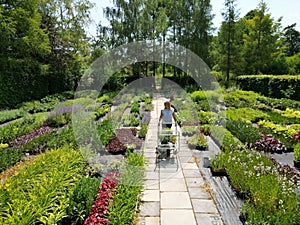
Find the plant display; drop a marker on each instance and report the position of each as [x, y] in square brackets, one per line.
[35, 195]
[269, 144]
[102, 111]
[82, 199]
[21, 127]
[225, 139]
[198, 141]
[115, 146]
[143, 130]
[189, 130]
[135, 108]
[207, 117]
[123, 208]
[21, 140]
[282, 131]
[8, 115]
[269, 195]
[247, 114]
[244, 131]
[205, 129]
[186, 117]
[130, 120]
[104, 196]
[296, 137]
[126, 137]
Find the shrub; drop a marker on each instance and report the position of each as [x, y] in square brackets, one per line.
[247, 114]
[269, 85]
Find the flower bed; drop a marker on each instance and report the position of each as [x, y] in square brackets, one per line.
[99, 210]
[35, 195]
[270, 197]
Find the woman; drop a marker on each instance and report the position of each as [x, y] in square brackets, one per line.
[166, 116]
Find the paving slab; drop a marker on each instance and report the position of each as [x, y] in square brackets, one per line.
[189, 166]
[208, 219]
[204, 206]
[177, 217]
[150, 195]
[152, 220]
[151, 184]
[150, 209]
[191, 173]
[175, 200]
[198, 192]
[173, 185]
[194, 182]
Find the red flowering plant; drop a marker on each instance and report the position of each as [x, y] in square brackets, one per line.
[103, 199]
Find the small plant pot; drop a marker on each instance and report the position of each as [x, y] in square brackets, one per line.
[297, 163]
[202, 148]
[221, 172]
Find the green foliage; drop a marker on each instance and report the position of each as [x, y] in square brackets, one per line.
[82, 198]
[241, 98]
[124, 207]
[207, 117]
[189, 130]
[198, 140]
[21, 126]
[270, 197]
[9, 157]
[297, 152]
[272, 86]
[246, 114]
[143, 130]
[8, 115]
[225, 139]
[40, 191]
[281, 131]
[106, 130]
[135, 108]
[130, 120]
[102, 111]
[244, 131]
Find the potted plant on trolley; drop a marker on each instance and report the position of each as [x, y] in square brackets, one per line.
[297, 155]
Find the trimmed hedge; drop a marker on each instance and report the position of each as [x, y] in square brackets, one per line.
[283, 86]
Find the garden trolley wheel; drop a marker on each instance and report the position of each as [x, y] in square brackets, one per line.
[168, 145]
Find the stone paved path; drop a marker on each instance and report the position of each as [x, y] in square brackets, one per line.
[171, 196]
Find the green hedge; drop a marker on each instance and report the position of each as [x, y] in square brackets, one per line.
[283, 86]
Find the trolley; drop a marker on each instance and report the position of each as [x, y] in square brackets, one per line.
[168, 145]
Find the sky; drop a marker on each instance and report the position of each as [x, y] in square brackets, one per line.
[289, 10]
